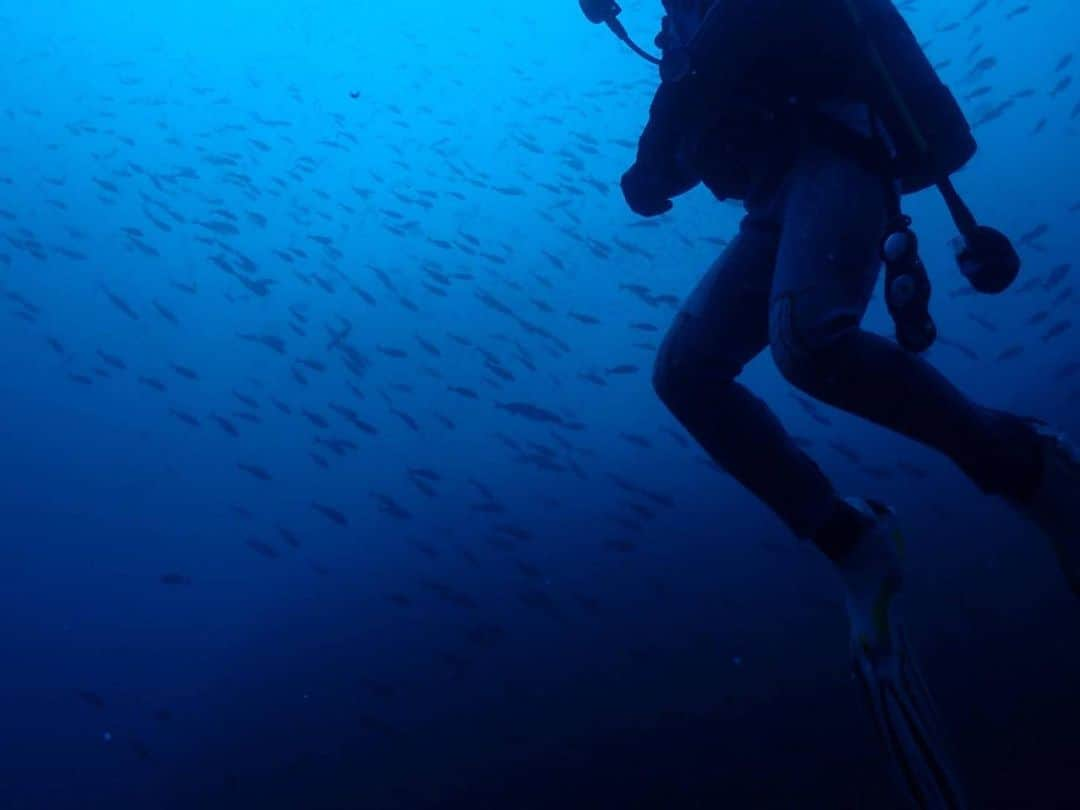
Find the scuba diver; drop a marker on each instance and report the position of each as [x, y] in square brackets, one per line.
[819, 117]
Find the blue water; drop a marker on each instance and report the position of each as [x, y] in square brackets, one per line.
[488, 610]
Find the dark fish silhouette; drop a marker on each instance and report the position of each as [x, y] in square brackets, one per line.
[91, 698]
[264, 549]
[331, 514]
[255, 471]
[288, 536]
[120, 303]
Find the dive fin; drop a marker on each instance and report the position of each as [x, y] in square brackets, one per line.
[886, 668]
[907, 721]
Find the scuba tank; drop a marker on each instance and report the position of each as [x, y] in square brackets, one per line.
[934, 138]
[861, 49]
[930, 134]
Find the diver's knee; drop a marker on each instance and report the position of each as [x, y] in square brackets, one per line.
[669, 378]
[789, 352]
[808, 349]
[799, 364]
[676, 372]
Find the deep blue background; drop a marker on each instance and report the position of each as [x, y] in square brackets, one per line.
[706, 667]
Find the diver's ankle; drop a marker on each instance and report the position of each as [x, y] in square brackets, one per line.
[840, 532]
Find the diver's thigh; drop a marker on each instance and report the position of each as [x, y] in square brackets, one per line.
[724, 322]
[828, 259]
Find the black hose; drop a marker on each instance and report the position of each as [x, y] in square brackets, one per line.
[619, 31]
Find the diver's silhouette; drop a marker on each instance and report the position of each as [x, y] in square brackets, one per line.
[818, 117]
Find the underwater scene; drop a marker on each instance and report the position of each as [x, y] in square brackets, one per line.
[364, 447]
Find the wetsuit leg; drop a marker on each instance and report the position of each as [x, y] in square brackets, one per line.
[833, 215]
[721, 327]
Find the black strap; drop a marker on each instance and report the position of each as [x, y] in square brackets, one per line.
[872, 153]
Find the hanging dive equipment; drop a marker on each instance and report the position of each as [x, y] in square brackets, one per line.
[607, 12]
[907, 286]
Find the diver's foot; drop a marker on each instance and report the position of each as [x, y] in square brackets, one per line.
[871, 571]
[1055, 506]
[885, 666]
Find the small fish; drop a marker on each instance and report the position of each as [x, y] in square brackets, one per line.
[255, 471]
[120, 303]
[175, 579]
[225, 424]
[1058, 329]
[331, 514]
[152, 382]
[315, 419]
[91, 698]
[265, 549]
[290, 538]
[184, 417]
[165, 312]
